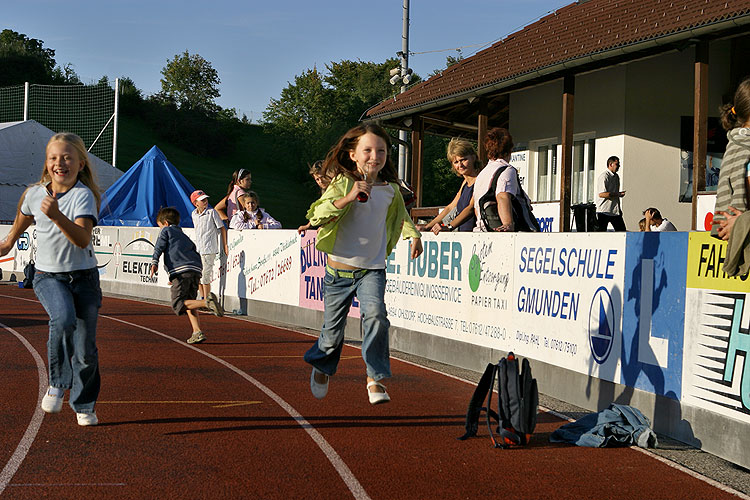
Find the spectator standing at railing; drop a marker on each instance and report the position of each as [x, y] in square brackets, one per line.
[240, 183]
[361, 217]
[210, 237]
[463, 159]
[322, 180]
[733, 189]
[499, 145]
[64, 205]
[609, 210]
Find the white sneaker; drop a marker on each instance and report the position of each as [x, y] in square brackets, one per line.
[318, 390]
[85, 419]
[52, 403]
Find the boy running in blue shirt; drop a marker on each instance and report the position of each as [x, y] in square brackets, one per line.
[183, 263]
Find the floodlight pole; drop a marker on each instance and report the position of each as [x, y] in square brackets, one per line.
[404, 67]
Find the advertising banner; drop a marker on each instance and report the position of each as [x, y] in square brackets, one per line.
[716, 363]
[567, 300]
[312, 267]
[458, 288]
[131, 257]
[261, 265]
[654, 312]
[22, 252]
[548, 216]
[104, 240]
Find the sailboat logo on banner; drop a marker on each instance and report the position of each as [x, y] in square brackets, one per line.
[601, 325]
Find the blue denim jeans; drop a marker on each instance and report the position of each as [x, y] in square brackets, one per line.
[369, 287]
[72, 301]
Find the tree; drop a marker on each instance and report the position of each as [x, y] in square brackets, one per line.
[449, 61]
[65, 75]
[303, 118]
[18, 44]
[190, 82]
[24, 59]
[314, 110]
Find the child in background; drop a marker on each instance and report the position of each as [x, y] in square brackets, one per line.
[64, 204]
[251, 216]
[183, 264]
[240, 183]
[322, 180]
[358, 236]
[208, 226]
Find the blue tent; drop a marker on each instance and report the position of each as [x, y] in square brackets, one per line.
[150, 184]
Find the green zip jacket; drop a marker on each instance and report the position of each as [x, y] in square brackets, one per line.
[324, 213]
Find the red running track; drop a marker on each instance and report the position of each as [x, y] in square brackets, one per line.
[234, 418]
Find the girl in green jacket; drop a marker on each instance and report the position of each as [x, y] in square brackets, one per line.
[361, 216]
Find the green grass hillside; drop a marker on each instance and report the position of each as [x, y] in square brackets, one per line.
[285, 194]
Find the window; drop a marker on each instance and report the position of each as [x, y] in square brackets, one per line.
[583, 181]
[546, 172]
[546, 176]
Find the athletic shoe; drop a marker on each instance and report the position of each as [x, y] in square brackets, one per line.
[85, 419]
[318, 390]
[213, 304]
[51, 403]
[196, 338]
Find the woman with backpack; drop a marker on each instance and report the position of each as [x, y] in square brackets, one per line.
[495, 211]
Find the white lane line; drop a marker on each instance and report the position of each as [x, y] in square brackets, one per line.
[338, 463]
[36, 420]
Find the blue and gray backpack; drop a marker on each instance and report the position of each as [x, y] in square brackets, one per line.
[517, 403]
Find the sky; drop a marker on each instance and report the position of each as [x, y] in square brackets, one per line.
[256, 47]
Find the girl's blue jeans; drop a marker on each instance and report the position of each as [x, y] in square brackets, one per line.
[369, 287]
[72, 301]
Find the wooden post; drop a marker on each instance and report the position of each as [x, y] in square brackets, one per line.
[482, 132]
[566, 173]
[417, 149]
[700, 125]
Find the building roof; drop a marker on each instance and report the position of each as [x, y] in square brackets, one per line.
[573, 36]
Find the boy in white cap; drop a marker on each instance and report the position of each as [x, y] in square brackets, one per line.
[208, 225]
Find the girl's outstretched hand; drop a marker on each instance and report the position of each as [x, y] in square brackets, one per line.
[416, 248]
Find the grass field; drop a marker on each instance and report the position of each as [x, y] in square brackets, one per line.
[285, 194]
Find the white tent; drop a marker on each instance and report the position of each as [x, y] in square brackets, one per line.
[22, 159]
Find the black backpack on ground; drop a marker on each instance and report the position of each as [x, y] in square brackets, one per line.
[523, 218]
[517, 405]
